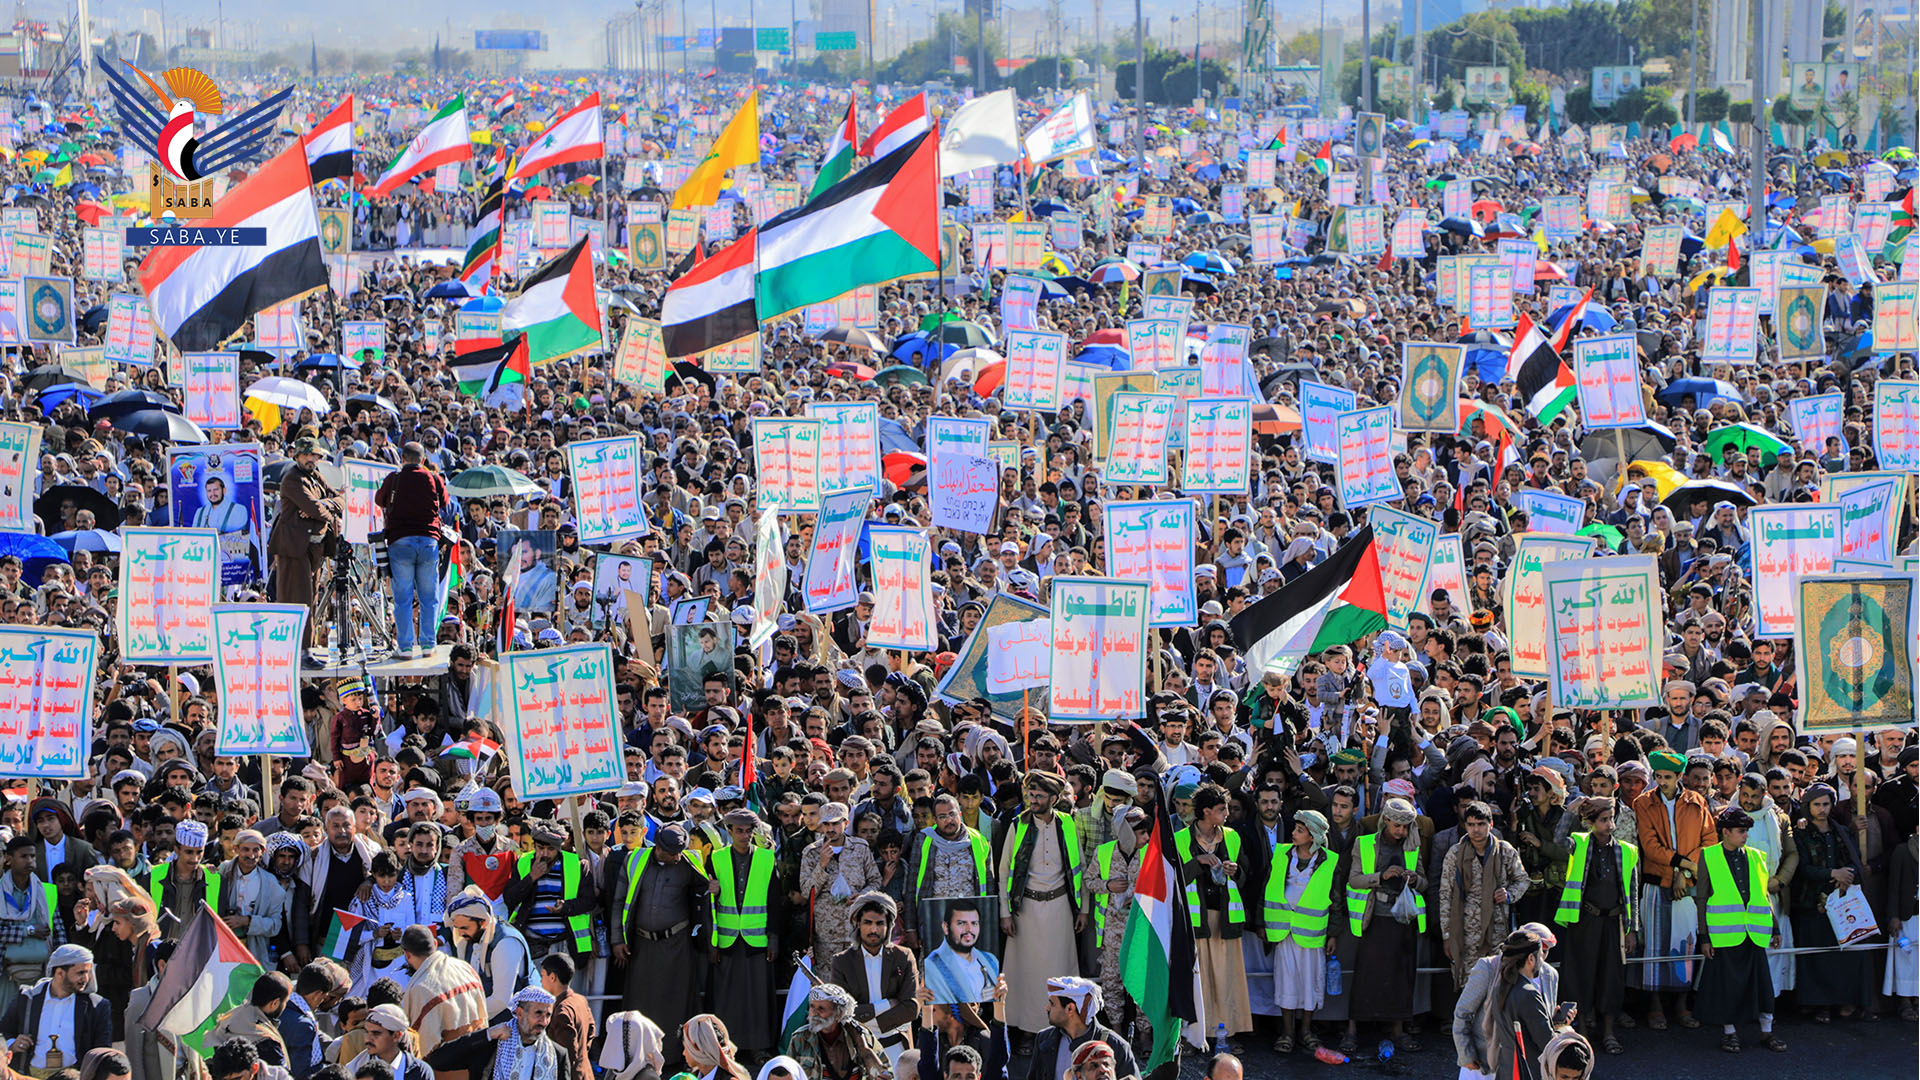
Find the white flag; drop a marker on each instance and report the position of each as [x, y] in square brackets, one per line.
[984, 131]
[1068, 131]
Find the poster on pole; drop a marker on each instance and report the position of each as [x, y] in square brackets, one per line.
[769, 580]
[169, 580]
[556, 708]
[212, 391]
[1017, 656]
[47, 679]
[1319, 405]
[957, 435]
[1896, 424]
[608, 478]
[1364, 444]
[1660, 249]
[786, 456]
[1098, 665]
[1524, 597]
[1268, 233]
[1137, 438]
[217, 487]
[1550, 511]
[129, 337]
[1896, 307]
[1788, 542]
[1155, 343]
[903, 612]
[1020, 303]
[968, 678]
[364, 517]
[1152, 541]
[1604, 632]
[1733, 326]
[1816, 419]
[1034, 370]
[831, 584]
[1219, 444]
[1223, 370]
[849, 443]
[1431, 388]
[966, 492]
[1447, 573]
[256, 664]
[19, 464]
[1606, 371]
[1854, 651]
[1406, 547]
[1870, 510]
[641, 358]
[1799, 321]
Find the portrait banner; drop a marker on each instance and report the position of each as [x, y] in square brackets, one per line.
[47, 679]
[1853, 651]
[561, 723]
[169, 580]
[218, 487]
[256, 664]
[1099, 658]
[1152, 541]
[1604, 630]
[903, 612]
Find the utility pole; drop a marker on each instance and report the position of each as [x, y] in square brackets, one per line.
[1366, 96]
[1417, 108]
[1198, 93]
[980, 46]
[1139, 89]
[1693, 63]
[1764, 60]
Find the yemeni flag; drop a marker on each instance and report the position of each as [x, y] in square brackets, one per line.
[876, 226]
[344, 935]
[503, 105]
[1157, 960]
[211, 974]
[330, 144]
[556, 311]
[840, 153]
[712, 303]
[1339, 601]
[1545, 382]
[1569, 321]
[574, 135]
[906, 122]
[483, 371]
[444, 140]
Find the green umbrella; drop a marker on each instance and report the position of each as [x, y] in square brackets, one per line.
[486, 481]
[899, 374]
[1613, 537]
[1744, 437]
[935, 318]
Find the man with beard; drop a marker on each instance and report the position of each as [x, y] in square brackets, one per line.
[659, 903]
[253, 905]
[523, 1052]
[305, 530]
[881, 976]
[957, 971]
[740, 989]
[950, 860]
[833, 1045]
[1596, 908]
[1040, 885]
[444, 998]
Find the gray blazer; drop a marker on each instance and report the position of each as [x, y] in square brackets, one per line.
[268, 915]
[143, 1048]
[1468, 1046]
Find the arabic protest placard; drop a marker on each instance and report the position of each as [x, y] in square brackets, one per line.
[769, 580]
[1490, 296]
[1660, 249]
[786, 455]
[1223, 360]
[1430, 392]
[1219, 445]
[1018, 655]
[1269, 235]
[966, 492]
[1522, 258]
[1137, 438]
[1853, 651]
[1448, 572]
[1363, 441]
[1026, 245]
[903, 613]
[1319, 406]
[849, 443]
[957, 435]
[212, 392]
[19, 462]
[1155, 343]
[1896, 424]
[89, 363]
[1152, 541]
[1733, 326]
[1105, 386]
[47, 677]
[1099, 656]
[256, 664]
[1462, 292]
[364, 339]
[1870, 504]
[129, 337]
[1604, 632]
[830, 583]
[169, 580]
[1788, 542]
[1033, 372]
[363, 516]
[1550, 511]
[1606, 371]
[968, 679]
[1525, 594]
[608, 478]
[641, 360]
[556, 709]
[1816, 419]
[1405, 543]
[1020, 303]
[1895, 307]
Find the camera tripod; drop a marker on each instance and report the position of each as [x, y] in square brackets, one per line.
[359, 613]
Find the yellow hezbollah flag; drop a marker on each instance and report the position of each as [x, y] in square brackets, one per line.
[738, 144]
[1725, 228]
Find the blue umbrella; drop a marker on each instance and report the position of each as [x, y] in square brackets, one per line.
[1690, 244]
[328, 361]
[1210, 261]
[129, 401]
[27, 546]
[1489, 364]
[895, 440]
[1463, 226]
[917, 342]
[483, 303]
[451, 289]
[162, 425]
[55, 396]
[1112, 356]
[1594, 318]
[87, 540]
[1046, 207]
[1704, 392]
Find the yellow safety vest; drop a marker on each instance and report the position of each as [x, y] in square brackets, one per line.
[1070, 836]
[1729, 919]
[637, 861]
[744, 917]
[1364, 853]
[1571, 895]
[1236, 911]
[1306, 921]
[157, 885]
[581, 925]
[982, 856]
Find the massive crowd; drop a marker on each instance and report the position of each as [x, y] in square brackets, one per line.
[1399, 838]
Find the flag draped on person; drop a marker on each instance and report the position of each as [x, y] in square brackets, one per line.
[1336, 602]
[556, 312]
[1157, 957]
[574, 135]
[838, 161]
[443, 141]
[737, 145]
[211, 974]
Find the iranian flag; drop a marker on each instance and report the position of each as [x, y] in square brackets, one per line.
[1157, 962]
[443, 141]
[211, 974]
[840, 152]
[556, 311]
[344, 935]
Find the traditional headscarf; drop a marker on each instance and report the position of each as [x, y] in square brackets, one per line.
[1124, 837]
[94, 1065]
[1084, 993]
[843, 1002]
[1634, 768]
[785, 1063]
[1815, 790]
[1316, 824]
[532, 995]
[633, 1043]
[68, 955]
[189, 834]
[1667, 761]
[705, 1037]
[1398, 812]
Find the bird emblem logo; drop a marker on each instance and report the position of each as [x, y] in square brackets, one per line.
[187, 158]
[191, 92]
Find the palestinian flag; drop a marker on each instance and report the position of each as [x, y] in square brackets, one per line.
[556, 311]
[574, 135]
[1157, 961]
[442, 141]
[483, 371]
[1323, 160]
[711, 303]
[793, 1016]
[906, 122]
[1904, 219]
[840, 152]
[1545, 382]
[474, 749]
[876, 226]
[330, 144]
[211, 974]
[344, 935]
[1334, 603]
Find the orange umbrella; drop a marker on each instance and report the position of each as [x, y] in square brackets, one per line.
[989, 378]
[1487, 210]
[1274, 419]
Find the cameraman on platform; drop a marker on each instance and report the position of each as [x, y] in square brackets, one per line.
[412, 499]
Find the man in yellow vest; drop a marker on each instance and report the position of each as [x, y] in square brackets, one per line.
[1040, 904]
[1385, 864]
[1598, 914]
[946, 861]
[1735, 984]
[1298, 908]
[552, 896]
[179, 886]
[740, 986]
[1210, 861]
[664, 913]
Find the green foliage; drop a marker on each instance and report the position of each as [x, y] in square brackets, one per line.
[1712, 105]
[1159, 62]
[1660, 115]
[1178, 82]
[1581, 35]
[1660, 27]
[932, 57]
[1783, 112]
[1580, 106]
[1031, 79]
[1632, 106]
[1534, 96]
[1443, 101]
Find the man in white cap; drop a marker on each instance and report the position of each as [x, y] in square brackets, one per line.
[1073, 1020]
[388, 1035]
[518, 1049]
[487, 858]
[178, 887]
[54, 1024]
[252, 903]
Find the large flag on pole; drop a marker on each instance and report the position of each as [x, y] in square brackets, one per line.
[574, 135]
[556, 310]
[981, 133]
[907, 120]
[840, 152]
[738, 145]
[443, 141]
[1338, 601]
[1157, 960]
[211, 974]
[330, 144]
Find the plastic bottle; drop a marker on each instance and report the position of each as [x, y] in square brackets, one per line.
[1333, 976]
[1905, 943]
[1386, 1049]
[1327, 1055]
[1220, 1038]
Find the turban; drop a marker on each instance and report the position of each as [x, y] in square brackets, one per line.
[1398, 812]
[1667, 761]
[842, 1001]
[706, 1040]
[1084, 993]
[1347, 755]
[1733, 818]
[1091, 1049]
[1121, 781]
[744, 818]
[1634, 769]
[285, 841]
[1542, 931]
[633, 1043]
[874, 900]
[68, 955]
[388, 1017]
[550, 834]
[189, 834]
[244, 836]
[1316, 825]
[470, 902]
[1594, 806]
[1046, 782]
[1401, 787]
[532, 995]
[1814, 791]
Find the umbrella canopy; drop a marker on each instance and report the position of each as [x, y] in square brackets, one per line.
[854, 337]
[325, 361]
[288, 393]
[1463, 226]
[129, 401]
[1745, 437]
[967, 362]
[1112, 335]
[963, 334]
[1594, 317]
[1275, 419]
[1210, 261]
[1681, 499]
[160, 424]
[47, 375]
[904, 468]
[106, 512]
[1607, 535]
[1703, 391]
[26, 545]
[899, 375]
[55, 396]
[1646, 441]
[1662, 476]
[87, 540]
[906, 345]
[847, 369]
[451, 289]
[486, 481]
[1114, 273]
[358, 403]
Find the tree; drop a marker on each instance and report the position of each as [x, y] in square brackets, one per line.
[1712, 105]
[1178, 83]
[1580, 106]
[1159, 62]
[932, 57]
[1660, 115]
[1034, 77]
[1632, 106]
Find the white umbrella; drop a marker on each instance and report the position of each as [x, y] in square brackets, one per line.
[288, 393]
[966, 362]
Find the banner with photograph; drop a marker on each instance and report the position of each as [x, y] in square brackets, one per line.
[903, 612]
[1524, 596]
[1138, 435]
[1604, 632]
[218, 487]
[1607, 372]
[561, 725]
[1788, 542]
[608, 477]
[786, 455]
[256, 664]
[169, 580]
[47, 679]
[1219, 446]
[1152, 541]
[1364, 445]
[849, 443]
[1853, 651]
[1099, 659]
[1406, 545]
[1431, 387]
[1320, 404]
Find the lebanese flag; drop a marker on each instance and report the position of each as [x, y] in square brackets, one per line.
[330, 144]
[443, 141]
[574, 135]
[907, 120]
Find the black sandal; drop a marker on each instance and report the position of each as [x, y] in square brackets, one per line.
[1730, 1042]
[1611, 1044]
[1774, 1043]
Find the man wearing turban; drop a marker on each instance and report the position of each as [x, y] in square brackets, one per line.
[834, 1043]
[84, 1021]
[1675, 824]
[1041, 908]
[1385, 864]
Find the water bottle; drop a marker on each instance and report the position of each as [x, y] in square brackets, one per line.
[1333, 976]
[1220, 1038]
[1386, 1049]
[333, 643]
[1327, 1055]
